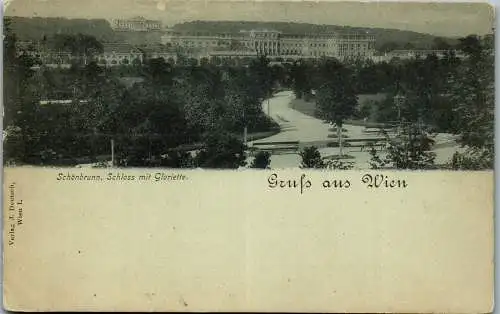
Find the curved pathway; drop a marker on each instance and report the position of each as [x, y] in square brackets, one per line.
[296, 126]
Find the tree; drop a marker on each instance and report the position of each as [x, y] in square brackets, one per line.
[279, 75]
[336, 98]
[311, 158]
[440, 43]
[79, 45]
[301, 76]
[204, 61]
[243, 105]
[472, 93]
[201, 93]
[261, 80]
[221, 150]
[262, 160]
[20, 100]
[366, 110]
[11, 76]
[411, 151]
[159, 72]
[472, 46]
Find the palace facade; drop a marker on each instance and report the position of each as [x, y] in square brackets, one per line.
[220, 48]
[277, 44]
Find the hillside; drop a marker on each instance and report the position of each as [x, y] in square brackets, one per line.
[386, 39]
[36, 28]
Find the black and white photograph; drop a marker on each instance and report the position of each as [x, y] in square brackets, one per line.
[236, 85]
[247, 156]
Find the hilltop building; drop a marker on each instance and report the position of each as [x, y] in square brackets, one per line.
[136, 24]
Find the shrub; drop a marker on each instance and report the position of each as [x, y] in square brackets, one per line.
[472, 160]
[222, 150]
[407, 153]
[261, 161]
[337, 164]
[311, 158]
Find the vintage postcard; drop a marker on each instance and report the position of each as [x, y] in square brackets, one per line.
[248, 156]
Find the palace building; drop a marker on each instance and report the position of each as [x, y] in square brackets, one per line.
[197, 47]
[277, 44]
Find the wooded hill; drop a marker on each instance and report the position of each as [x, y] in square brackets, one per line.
[36, 28]
[386, 39]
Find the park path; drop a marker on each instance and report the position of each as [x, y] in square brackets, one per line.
[297, 126]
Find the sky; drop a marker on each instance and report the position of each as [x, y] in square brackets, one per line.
[437, 18]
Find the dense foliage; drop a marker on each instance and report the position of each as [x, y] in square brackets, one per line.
[206, 107]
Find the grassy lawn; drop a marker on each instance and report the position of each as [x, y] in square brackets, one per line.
[306, 107]
[309, 108]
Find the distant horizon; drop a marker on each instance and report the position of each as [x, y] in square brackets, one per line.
[443, 19]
